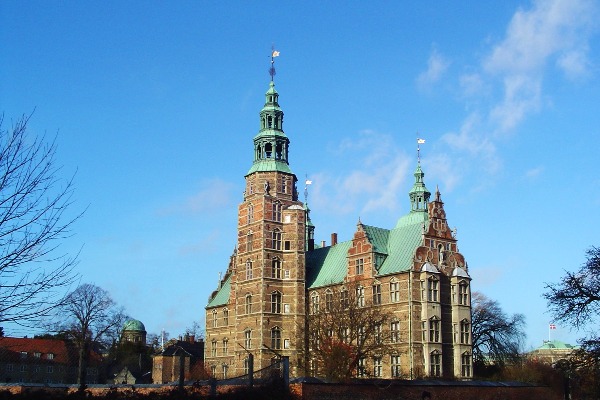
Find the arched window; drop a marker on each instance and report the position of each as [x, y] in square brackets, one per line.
[432, 289]
[214, 318]
[225, 317]
[276, 338]
[248, 339]
[268, 146]
[276, 302]
[276, 241]
[435, 363]
[248, 303]
[225, 346]
[276, 268]
[248, 269]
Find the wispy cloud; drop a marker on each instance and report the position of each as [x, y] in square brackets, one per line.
[551, 31]
[213, 195]
[506, 86]
[374, 184]
[436, 67]
[534, 172]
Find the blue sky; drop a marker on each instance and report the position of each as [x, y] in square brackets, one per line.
[156, 104]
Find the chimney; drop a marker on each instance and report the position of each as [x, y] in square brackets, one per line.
[333, 239]
[192, 338]
[322, 243]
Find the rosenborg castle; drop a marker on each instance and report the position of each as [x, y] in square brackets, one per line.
[411, 276]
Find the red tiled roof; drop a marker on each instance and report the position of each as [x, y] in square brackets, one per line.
[44, 346]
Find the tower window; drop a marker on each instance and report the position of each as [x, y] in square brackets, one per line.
[276, 268]
[277, 211]
[250, 213]
[248, 303]
[276, 338]
[276, 302]
[276, 239]
[248, 339]
[268, 150]
[249, 239]
[248, 269]
[315, 303]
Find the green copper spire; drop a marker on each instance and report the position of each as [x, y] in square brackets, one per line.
[419, 195]
[271, 145]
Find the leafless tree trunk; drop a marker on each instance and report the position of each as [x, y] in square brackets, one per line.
[33, 220]
[89, 316]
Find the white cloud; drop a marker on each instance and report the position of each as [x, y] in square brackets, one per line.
[436, 66]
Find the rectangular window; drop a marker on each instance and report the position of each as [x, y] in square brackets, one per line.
[466, 365]
[377, 367]
[287, 245]
[394, 292]
[225, 346]
[328, 301]
[225, 317]
[344, 299]
[276, 242]
[213, 348]
[214, 315]
[360, 296]
[225, 370]
[37, 354]
[359, 266]
[432, 289]
[361, 367]
[248, 337]
[434, 330]
[50, 369]
[377, 333]
[277, 212]
[395, 331]
[395, 364]
[377, 294]
[249, 240]
[463, 294]
[465, 332]
[435, 361]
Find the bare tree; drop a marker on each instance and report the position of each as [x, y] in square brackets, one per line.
[496, 335]
[195, 330]
[33, 221]
[575, 300]
[344, 329]
[90, 316]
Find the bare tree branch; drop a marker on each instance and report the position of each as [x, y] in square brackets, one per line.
[33, 221]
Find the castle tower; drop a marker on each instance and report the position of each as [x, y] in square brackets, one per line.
[266, 300]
